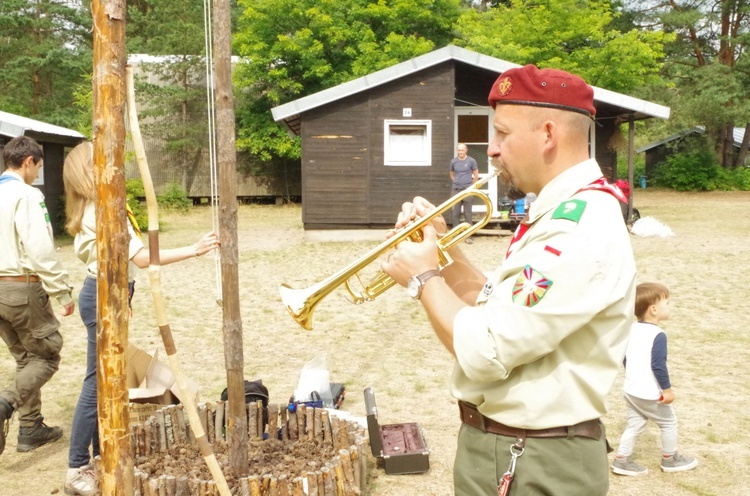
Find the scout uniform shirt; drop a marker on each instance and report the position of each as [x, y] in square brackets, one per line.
[84, 244]
[544, 344]
[26, 242]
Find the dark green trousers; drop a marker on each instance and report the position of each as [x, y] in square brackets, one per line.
[575, 466]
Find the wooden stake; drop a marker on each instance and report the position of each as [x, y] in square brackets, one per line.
[284, 418]
[327, 429]
[301, 416]
[273, 417]
[252, 422]
[183, 486]
[244, 487]
[318, 425]
[293, 427]
[329, 483]
[162, 426]
[310, 423]
[298, 488]
[255, 485]
[219, 422]
[338, 470]
[312, 483]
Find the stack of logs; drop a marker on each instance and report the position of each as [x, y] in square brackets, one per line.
[343, 475]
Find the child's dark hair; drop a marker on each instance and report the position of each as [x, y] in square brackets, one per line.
[16, 150]
[647, 294]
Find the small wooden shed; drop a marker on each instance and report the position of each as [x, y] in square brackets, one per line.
[372, 143]
[659, 151]
[54, 140]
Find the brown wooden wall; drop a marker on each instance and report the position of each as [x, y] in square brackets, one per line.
[344, 181]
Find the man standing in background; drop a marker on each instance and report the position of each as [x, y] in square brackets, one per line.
[29, 274]
[464, 172]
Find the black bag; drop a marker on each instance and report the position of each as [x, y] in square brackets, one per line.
[254, 391]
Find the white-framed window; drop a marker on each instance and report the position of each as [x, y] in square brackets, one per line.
[408, 142]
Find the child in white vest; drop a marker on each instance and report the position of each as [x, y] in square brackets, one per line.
[647, 390]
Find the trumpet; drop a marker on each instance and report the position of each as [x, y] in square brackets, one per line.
[301, 302]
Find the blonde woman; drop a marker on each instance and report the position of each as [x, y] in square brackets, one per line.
[80, 211]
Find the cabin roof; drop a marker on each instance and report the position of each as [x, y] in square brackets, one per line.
[737, 134]
[12, 125]
[290, 112]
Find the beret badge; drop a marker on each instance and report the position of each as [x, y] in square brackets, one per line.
[504, 86]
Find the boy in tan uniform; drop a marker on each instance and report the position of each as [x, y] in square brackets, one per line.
[29, 274]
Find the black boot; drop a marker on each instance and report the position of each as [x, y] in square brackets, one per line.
[30, 438]
[6, 410]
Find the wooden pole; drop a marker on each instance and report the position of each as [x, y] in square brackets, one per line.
[631, 146]
[227, 162]
[160, 310]
[112, 246]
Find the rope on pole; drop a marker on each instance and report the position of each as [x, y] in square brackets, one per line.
[154, 270]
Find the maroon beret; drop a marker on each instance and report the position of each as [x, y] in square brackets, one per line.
[529, 85]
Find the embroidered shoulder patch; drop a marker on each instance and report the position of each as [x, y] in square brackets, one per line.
[570, 210]
[530, 287]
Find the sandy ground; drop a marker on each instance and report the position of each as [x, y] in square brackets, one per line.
[388, 344]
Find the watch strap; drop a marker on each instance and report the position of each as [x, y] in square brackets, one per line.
[424, 277]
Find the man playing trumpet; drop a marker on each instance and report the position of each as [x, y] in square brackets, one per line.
[539, 342]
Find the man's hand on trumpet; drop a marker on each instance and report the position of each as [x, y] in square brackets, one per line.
[414, 210]
[409, 258]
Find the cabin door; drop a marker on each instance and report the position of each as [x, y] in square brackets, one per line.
[473, 126]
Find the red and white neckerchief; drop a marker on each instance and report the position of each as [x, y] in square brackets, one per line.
[600, 184]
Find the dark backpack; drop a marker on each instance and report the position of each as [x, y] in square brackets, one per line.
[254, 391]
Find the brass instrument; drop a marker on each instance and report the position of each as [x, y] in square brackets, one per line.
[301, 302]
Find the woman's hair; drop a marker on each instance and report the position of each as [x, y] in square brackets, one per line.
[78, 177]
[647, 294]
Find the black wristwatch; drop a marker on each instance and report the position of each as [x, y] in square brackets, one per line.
[416, 283]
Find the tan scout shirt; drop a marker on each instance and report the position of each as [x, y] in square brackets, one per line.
[26, 242]
[84, 244]
[546, 347]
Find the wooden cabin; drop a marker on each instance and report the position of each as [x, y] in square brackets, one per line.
[54, 141]
[372, 143]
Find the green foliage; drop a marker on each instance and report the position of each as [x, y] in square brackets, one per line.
[580, 37]
[694, 168]
[639, 166]
[134, 192]
[174, 198]
[706, 65]
[45, 52]
[293, 48]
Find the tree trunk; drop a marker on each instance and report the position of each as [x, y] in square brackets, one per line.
[727, 146]
[112, 245]
[227, 163]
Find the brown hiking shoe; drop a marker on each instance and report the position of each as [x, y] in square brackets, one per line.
[5, 412]
[30, 438]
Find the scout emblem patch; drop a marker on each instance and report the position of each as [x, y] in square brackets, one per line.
[570, 210]
[530, 287]
[504, 86]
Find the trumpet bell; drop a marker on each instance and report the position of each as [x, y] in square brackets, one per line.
[296, 303]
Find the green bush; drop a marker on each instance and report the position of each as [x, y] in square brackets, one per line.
[695, 169]
[174, 198]
[134, 192]
[691, 170]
